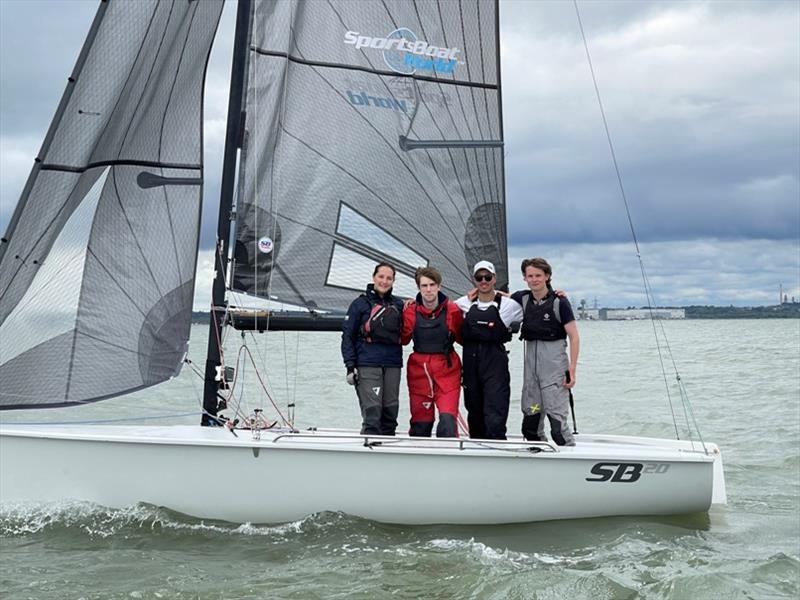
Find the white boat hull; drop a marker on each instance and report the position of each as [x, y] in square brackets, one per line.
[210, 473]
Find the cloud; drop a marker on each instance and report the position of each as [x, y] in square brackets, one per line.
[702, 271]
[702, 104]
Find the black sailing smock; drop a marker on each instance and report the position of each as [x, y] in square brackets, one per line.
[486, 380]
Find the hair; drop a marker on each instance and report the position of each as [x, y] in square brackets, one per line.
[384, 264]
[428, 272]
[538, 263]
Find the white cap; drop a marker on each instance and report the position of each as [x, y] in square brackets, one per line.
[483, 265]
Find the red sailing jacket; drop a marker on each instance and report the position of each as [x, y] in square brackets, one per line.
[426, 372]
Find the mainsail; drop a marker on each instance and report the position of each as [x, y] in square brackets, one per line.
[372, 132]
[97, 265]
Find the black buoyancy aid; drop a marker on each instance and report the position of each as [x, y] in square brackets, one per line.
[431, 335]
[485, 325]
[542, 321]
[384, 324]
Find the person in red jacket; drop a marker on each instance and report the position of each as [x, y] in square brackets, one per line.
[434, 368]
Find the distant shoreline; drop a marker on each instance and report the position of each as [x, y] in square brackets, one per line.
[789, 310]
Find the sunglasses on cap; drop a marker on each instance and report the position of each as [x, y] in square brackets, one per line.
[488, 277]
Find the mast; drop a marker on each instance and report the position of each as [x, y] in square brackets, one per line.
[211, 402]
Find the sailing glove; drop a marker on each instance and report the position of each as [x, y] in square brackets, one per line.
[352, 375]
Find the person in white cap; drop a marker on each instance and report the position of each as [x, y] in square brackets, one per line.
[486, 380]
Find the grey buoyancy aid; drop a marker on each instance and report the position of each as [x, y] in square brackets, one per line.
[485, 325]
[384, 323]
[431, 335]
[542, 321]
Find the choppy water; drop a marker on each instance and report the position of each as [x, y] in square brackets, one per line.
[743, 378]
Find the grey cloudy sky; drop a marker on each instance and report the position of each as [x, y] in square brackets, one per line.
[703, 105]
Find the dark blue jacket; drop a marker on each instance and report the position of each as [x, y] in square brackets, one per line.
[356, 352]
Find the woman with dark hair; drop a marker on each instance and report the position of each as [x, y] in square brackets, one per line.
[372, 352]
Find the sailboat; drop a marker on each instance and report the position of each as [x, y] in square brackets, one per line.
[357, 132]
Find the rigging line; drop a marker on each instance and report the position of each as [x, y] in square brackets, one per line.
[161, 140]
[391, 145]
[379, 198]
[263, 385]
[449, 112]
[624, 198]
[658, 348]
[281, 128]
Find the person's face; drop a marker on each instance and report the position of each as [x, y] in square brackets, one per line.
[428, 289]
[383, 280]
[536, 279]
[484, 281]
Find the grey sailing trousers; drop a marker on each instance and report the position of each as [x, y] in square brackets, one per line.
[378, 390]
[543, 391]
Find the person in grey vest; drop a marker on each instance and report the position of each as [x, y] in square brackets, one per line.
[549, 373]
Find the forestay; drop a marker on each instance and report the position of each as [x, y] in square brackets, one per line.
[97, 266]
[326, 187]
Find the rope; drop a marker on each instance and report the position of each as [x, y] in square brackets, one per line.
[647, 289]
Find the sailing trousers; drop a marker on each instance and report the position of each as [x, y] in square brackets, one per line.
[378, 390]
[434, 385]
[487, 389]
[543, 391]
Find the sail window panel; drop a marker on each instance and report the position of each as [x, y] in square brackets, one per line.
[349, 269]
[50, 304]
[365, 232]
[51, 201]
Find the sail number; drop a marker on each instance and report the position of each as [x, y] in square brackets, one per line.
[626, 472]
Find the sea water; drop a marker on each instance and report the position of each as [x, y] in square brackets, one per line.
[742, 378]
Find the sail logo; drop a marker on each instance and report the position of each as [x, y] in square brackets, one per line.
[364, 99]
[404, 53]
[265, 245]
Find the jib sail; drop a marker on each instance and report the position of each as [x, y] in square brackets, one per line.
[97, 265]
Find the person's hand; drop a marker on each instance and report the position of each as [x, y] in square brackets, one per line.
[472, 294]
[560, 293]
[504, 294]
[352, 376]
[408, 302]
[569, 380]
